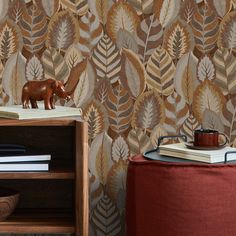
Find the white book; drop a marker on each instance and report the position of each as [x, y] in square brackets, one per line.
[24, 157]
[24, 166]
[17, 112]
[209, 156]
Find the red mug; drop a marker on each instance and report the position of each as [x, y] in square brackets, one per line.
[208, 138]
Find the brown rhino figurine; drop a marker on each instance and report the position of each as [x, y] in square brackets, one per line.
[34, 91]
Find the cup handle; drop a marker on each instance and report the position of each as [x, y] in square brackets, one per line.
[226, 139]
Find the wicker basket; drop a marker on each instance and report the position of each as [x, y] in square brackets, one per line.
[8, 201]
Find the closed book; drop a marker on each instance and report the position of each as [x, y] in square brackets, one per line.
[24, 166]
[26, 157]
[208, 156]
[17, 112]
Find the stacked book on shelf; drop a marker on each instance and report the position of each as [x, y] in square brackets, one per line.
[17, 158]
[180, 150]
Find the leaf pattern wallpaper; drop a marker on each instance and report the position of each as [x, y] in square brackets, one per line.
[137, 68]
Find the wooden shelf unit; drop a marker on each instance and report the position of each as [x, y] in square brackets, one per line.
[64, 188]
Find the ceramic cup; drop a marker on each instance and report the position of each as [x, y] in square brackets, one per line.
[208, 138]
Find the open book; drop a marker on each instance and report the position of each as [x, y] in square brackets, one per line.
[17, 112]
[209, 156]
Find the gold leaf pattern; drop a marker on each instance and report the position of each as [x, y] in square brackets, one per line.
[205, 28]
[185, 77]
[120, 149]
[133, 75]
[16, 9]
[221, 7]
[117, 178]
[176, 111]
[79, 7]
[148, 111]
[178, 39]
[96, 116]
[62, 30]
[206, 68]
[120, 106]
[227, 32]
[90, 33]
[33, 25]
[121, 16]
[187, 10]
[142, 6]
[225, 64]
[207, 96]
[138, 142]
[166, 10]
[10, 39]
[160, 72]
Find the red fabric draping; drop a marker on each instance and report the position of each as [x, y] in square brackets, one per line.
[172, 199]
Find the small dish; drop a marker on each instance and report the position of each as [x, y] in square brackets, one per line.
[191, 145]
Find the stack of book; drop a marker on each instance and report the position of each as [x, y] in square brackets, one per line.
[179, 150]
[16, 158]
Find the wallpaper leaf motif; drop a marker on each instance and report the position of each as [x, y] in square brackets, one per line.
[50, 7]
[4, 5]
[119, 106]
[133, 75]
[74, 76]
[90, 33]
[10, 39]
[62, 30]
[15, 10]
[178, 39]
[188, 127]
[73, 56]
[100, 149]
[54, 65]
[228, 118]
[117, 179]
[157, 132]
[33, 25]
[126, 40]
[121, 16]
[227, 32]
[225, 64]
[142, 6]
[13, 77]
[205, 28]
[148, 111]
[187, 10]
[119, 149]
[185, 77]
[211, 120]
[79, 7]
[106, 58]
[166, 10]
[149, 36]
[100, 9]
[102, 88]
[96, 115]
[176, 111]
[221, 7]
[206, 68]
[207, 96]
[138, 142]
[85, 87]
[34, 68]
[106, 217]
[160, 72]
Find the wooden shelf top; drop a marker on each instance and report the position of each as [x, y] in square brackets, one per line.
[66, 121]
[38, 223]
[51, 174]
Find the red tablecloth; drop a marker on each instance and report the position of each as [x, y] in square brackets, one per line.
[172, 199]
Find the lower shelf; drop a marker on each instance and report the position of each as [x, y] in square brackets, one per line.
[38, 222]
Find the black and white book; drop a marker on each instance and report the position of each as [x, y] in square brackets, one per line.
[24, 166]
[26, 157]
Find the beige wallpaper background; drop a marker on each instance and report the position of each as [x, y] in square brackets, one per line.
[138, 68]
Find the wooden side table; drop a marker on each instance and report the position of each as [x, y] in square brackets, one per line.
[180, 199]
